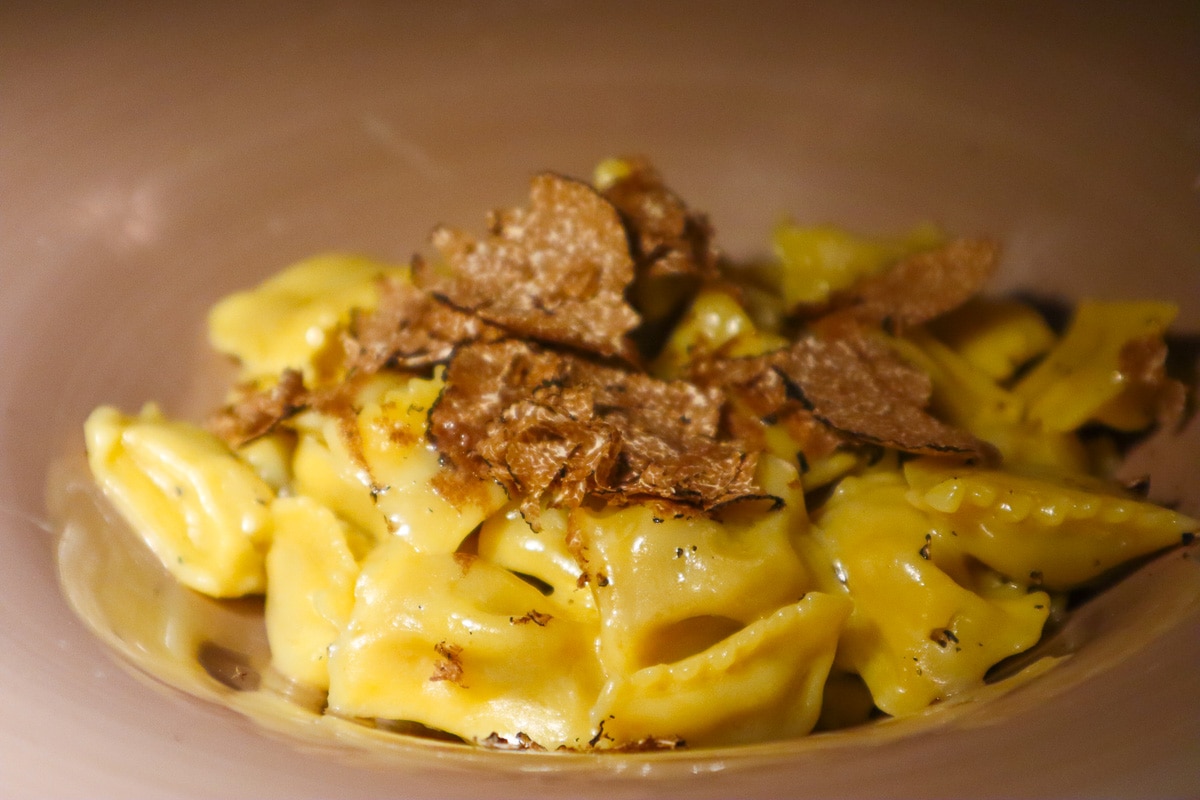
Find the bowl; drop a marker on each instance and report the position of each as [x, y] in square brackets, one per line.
[156, 157]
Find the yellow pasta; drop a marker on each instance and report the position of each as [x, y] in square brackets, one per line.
[201, 510]
[816, 262]
[863, 575]
[311, 569]
[765, 681]
[326, 472]
[1058, 531]
[669, 587]
[391, 432]
[461, 645]
[1082, 378]
[291, 319]
[271, 458]
[507, 540]
[715, 322]
[967, 396]
[995, 335]
[923, 627]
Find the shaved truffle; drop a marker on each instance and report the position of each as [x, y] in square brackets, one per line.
[1143, 365]
[667, 238]
[555, 272]
[257, 413]
[555, 427]
[449, 667]
[859, 387]
[410, 328]
[922, 286]
[543, 390]
[758, 396]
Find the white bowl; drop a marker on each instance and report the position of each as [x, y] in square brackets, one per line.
[154, 158]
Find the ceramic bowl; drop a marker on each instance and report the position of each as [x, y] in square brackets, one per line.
[157, 156]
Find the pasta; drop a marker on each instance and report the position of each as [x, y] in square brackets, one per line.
[738, 504]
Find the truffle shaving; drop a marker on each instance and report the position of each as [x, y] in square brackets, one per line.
[922, 286]
[555, 272]
[410, 328]
[449, 667]
[859, 387]
[554, 427]
[666, 238]
[256, 413]
[1142, 363]
[758, 396]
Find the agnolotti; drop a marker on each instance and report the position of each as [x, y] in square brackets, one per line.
[669, 586]
[402, 467]
[312, 568]
[765, 681]
[292, 320]
[1053, 533]
[199, 508]
[927, 622]
[459, 644]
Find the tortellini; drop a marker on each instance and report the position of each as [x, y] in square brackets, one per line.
[995, 335]
[391, 434]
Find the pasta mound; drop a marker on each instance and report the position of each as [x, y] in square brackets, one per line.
[583, 483]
